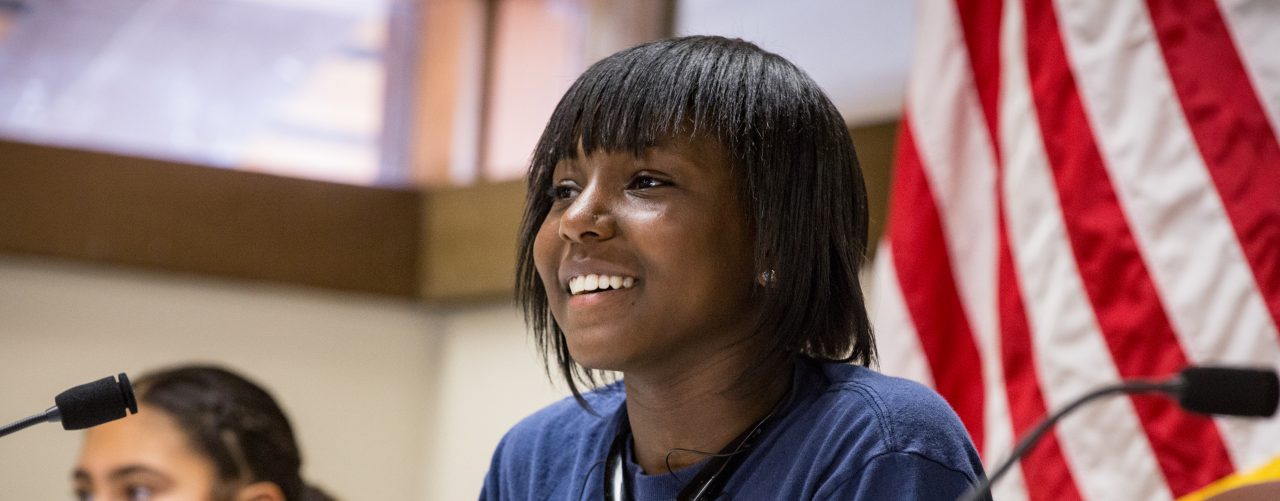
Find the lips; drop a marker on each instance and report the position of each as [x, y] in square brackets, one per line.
[596, 282]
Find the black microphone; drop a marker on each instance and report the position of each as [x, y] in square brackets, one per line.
[1224, 391]
[85, 406]
[1229, 391]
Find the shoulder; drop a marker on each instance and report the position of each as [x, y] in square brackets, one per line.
[898, 425]
[557, 442]
[853, 433]
[566, 420]
[908, 416]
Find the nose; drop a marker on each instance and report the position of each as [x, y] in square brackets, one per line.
[588, 218]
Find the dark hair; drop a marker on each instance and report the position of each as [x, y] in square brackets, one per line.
[802, 187]
[233, 422]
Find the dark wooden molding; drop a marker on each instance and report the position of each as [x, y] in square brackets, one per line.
[469, 252]
[876, 144]
[445, 245]
[132, 211]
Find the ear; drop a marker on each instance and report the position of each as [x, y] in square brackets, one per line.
[260, 491]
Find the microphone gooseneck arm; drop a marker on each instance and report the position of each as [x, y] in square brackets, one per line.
[52, 415]
[983, 489]
[1209, 390]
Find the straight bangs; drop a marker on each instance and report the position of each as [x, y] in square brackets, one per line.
[639, 98]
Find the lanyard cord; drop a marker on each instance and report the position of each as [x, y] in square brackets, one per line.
[709, 480]
[703, 486]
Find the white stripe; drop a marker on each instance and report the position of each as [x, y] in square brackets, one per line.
[1171, 204]
[1104, 443]
[955, 153]
[1252, 24]
[959, 165]
[899, 348]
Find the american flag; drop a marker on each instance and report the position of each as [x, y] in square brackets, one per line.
[1087, 191]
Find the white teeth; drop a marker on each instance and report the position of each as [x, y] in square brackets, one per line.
[593, 282]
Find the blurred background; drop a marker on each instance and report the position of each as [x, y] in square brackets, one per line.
[324, 195]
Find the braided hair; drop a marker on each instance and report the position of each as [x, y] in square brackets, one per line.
[234, 423]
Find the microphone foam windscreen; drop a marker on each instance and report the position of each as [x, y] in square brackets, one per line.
[1230, 391]
[92, 404]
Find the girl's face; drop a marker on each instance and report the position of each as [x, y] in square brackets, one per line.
[143, 457]
[667, 233]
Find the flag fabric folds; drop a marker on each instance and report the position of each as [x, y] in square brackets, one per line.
[1085, 192]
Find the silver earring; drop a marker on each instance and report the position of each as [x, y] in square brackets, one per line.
[767, 278]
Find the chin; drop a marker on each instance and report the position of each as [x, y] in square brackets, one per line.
[602, 353]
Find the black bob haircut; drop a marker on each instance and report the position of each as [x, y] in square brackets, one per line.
[801, 185]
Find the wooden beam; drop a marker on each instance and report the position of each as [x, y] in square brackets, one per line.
[469, 249]
[445, 245]
[173, 216]
[875, 144]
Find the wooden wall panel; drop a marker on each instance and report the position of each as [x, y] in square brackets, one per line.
[469, 251]
[875, 144]
[139, 212]
[445, 245]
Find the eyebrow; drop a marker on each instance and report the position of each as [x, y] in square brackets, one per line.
[81, 474]
[134, 469]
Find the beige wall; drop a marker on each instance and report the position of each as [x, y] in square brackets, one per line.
[489, 378]
[391, 400]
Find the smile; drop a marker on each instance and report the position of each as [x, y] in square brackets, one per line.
[584, 284]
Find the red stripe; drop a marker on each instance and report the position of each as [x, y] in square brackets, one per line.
[1129, 311]
[1231, 128]
[980, 22]
[1045, 467]
[929, 290]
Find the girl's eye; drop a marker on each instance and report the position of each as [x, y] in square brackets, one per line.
[562, 192]
[642, 182]
[83, 495]
[138, 493]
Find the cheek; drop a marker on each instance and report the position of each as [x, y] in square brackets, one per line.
[717, 246]
[546, 251]
[717, 258]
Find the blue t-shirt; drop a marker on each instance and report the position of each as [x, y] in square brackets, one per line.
[844, 432]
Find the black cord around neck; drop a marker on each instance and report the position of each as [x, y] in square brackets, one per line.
[712, 476]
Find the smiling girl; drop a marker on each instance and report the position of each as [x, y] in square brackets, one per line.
[695, 222]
